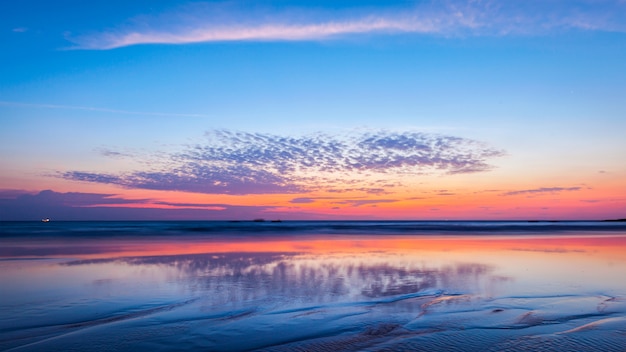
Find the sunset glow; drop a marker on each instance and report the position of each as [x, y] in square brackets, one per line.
[420, 110]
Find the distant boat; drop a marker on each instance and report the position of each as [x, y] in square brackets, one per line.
[45, 220]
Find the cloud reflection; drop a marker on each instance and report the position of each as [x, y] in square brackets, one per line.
[240, 277]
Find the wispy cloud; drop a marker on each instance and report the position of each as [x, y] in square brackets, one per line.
[267, 32]
[254, 163]
[361, 202]
[368, 190]
[302, 200]
[542, 190]
[591, 200]
[338, 200]
[211, 206]
[111, 153]
[548, 250]
[226, 22]
[98, 109]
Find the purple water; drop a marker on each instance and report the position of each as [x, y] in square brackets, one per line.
[346, 286]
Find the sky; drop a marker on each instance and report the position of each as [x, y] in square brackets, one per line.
[236, 110]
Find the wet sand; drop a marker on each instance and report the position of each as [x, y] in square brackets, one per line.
[315, 293]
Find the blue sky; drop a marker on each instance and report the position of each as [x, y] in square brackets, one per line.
[115, 89]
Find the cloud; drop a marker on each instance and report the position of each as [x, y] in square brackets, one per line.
[25, 206]
[22, 205]
[13, 193]
[368, 190]
[213, 206]
[76, 199]
[349, 202]
[542, 190]
[241, 163]
[591, 200]
[444, 192]
[548, 250]
[192, 176]
[97, 109]
[202, 22]
[360, 202]
[111, 153]
[303, 200]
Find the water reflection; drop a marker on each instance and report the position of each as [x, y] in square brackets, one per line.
[240, 277]
[396, 293]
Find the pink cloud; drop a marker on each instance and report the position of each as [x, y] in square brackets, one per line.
[217, 23]
[264, 32]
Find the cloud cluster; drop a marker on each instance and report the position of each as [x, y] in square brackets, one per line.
[254, 163]
[203, 22]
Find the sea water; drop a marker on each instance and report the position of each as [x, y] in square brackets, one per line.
[309, 286]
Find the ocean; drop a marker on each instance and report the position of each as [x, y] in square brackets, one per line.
[313, 286]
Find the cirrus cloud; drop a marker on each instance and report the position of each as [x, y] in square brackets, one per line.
[219, 22]
[550, 190]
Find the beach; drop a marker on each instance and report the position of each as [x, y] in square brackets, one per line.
[288, 175]
[314, 286]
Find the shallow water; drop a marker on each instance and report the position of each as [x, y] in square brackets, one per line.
[124, 288]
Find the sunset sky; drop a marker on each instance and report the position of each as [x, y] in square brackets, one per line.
[312, 109]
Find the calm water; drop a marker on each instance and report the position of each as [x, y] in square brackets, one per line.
[308, 286]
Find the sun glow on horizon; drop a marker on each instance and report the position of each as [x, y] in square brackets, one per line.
[223, 111]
